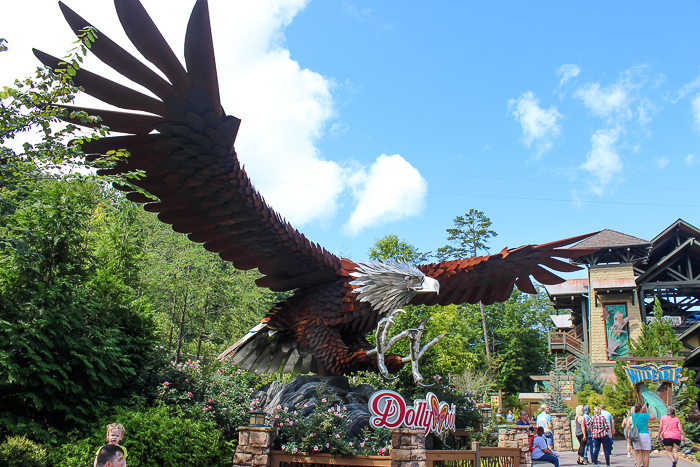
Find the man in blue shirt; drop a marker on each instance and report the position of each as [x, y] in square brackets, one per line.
[608, 416]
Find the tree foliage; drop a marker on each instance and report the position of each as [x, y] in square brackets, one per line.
[470, 234]
[71, 334]
[393, 248]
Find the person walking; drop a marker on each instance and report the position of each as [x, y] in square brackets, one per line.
[545, 421]
[626, 424]
[589, 442]
[642, 447]
[581, 434]
[600, 430]
[671, 434]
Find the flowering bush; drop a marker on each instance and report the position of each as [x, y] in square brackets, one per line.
[321, 429]
[218, 393]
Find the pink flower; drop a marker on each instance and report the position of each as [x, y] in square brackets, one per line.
[209, 407]
[337, 435]
[315, 448]
[350, 443]
[204, 409]
[166, 384]
[362, 444]
[323, 400]
[189, 394]
[277, 416]
[223, 393]
[284, 447]
[381, 450]
[279, 407]
[210, 401]
[218, 371]
[328, 445]
[238, 372]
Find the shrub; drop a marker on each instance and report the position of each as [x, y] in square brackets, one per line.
[216, 393]
[155, 437]
[18, 451]
[322, 430]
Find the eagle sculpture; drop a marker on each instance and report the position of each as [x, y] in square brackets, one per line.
[184, 142]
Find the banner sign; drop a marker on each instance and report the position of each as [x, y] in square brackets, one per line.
[651, 372]
[389, 410]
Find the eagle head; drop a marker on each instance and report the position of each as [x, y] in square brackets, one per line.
[391, 284]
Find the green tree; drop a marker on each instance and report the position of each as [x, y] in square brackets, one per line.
[470, 234]
[587, 375]
[391, 247]
[69, 339]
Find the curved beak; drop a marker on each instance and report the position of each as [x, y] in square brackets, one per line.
[429, 285]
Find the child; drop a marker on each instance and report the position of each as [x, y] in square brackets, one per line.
[115, 432]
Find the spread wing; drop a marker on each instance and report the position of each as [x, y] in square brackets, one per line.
[490, 279]
[184, 144]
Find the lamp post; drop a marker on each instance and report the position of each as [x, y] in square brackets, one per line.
[257, 418]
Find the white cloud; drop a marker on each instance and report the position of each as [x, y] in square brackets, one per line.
[661, 162]
[690, 160]
[603, 101]
[390, 190]
[567, 72]
[539, 125]
[687, 89]
[603, 162]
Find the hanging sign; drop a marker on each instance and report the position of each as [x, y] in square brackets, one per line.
[389, 410]
[651, 372]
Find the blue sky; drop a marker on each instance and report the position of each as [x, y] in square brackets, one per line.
[362, 119]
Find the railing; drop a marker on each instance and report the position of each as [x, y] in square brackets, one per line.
[566, 363]
[284, 459]
[565, 341]
[478, 457]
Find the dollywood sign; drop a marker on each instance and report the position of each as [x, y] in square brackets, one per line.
[651, 372]
[389, 410]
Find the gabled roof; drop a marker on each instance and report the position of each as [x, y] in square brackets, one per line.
[680, 224]
[610, 239]
[690, 245]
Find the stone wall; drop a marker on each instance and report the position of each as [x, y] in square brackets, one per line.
[408, 448]
[562, 432]
[254, 445]
[516, 436]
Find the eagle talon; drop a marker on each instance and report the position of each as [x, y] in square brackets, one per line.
[416, 351]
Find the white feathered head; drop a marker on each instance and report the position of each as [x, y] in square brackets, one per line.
[391, 284]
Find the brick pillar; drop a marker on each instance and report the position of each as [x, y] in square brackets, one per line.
[562, 432]
[516, 436]
[408, 448]
[254, 445]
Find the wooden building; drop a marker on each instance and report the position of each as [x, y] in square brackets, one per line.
[597, 316]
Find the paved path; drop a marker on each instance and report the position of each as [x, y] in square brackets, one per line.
[618, 457]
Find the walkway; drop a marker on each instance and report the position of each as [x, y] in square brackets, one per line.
[619, 457]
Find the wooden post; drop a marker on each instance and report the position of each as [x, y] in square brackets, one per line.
[477, 458]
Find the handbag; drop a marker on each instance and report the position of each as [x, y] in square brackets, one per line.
[633, 432]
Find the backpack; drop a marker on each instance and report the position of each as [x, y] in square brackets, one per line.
[530, 439]
[633, 431]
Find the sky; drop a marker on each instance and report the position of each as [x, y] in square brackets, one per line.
[362, 119]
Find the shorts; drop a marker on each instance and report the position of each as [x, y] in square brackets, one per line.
[671, 442]
[643, 444]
